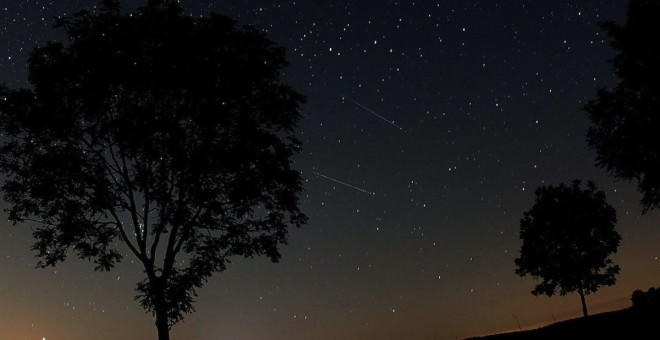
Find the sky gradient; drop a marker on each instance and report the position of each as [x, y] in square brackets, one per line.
[429, 125]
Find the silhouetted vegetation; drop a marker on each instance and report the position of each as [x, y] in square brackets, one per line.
[646, 300]
[170, 133]
[567, 239]
[626, 119]
[636, 322]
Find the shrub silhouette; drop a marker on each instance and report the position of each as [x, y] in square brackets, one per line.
[646, 300]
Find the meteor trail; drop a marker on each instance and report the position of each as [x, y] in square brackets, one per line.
[343, 183]
[374, 113]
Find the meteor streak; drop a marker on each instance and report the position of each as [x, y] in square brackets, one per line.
[343, 183]
[374, 113]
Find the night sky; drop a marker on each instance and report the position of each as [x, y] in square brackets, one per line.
[429, 125]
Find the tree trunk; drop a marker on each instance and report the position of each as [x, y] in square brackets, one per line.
[584, 302]
[162, 323]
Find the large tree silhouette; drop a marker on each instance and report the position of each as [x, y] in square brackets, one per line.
[626, 119]
[169, 133]
[567, 239]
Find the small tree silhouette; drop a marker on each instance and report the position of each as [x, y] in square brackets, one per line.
[169, 133]
[567, 238]
[626, 119]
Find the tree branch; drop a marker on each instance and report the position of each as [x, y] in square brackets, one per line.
[125, 237]
[162, 222]
[146, 209]
[168, 262]
[133, 207]
[186, 231]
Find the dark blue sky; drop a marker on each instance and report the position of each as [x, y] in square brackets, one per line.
[429, 125]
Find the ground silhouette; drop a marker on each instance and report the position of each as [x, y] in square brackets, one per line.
[636, 322]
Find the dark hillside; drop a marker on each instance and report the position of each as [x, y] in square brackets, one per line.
[642, 321]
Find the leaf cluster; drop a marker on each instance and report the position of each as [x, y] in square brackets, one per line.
[626, 119]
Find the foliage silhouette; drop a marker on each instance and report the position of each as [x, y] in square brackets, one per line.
[170, 133]
[626, 119]
[567, 238]
[646, 300]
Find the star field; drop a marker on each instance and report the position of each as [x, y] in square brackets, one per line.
[429, 125]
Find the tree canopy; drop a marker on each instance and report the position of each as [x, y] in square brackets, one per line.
[626, 119]
[567, 238]
[170, 133]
